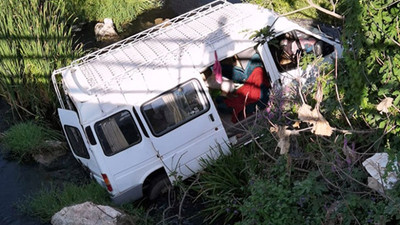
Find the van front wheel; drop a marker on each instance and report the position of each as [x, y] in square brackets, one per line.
[158, 186]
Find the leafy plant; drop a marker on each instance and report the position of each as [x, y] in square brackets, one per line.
[372, 74]
[275, 202]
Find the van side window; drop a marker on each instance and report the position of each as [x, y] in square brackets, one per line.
[117, 132]
[77, 143]
[175, 107]
[288, 47]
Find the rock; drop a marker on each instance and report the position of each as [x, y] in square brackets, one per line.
[47, 158]
[57, 149]
[376, 167]
[158, 21]
[86, 213]
[105, 32]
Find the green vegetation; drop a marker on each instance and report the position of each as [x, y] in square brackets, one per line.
[121, 11]
[372, 74]
[25, 139]
[51, 200]
[321, 180]
[222, 187]
[35, 39]
[286, 6]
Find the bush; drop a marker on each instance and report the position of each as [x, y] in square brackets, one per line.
[121, 11]
[273, 202]
[26, 139]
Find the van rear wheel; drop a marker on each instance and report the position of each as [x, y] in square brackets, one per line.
[158, 186]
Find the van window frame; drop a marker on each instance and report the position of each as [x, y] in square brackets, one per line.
[109, 152]
[79, 143]
[200, 93]
[275, 48]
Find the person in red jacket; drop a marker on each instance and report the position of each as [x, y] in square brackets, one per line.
[252, 94]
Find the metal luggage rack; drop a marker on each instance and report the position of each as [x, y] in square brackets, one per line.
[208, 8]
[172, 29]
[188, 26]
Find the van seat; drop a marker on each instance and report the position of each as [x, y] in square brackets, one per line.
[245, 56]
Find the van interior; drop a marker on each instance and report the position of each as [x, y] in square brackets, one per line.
[242, 94]
[286, 49]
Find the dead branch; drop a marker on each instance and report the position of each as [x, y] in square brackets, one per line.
[317, 7]
[337, 93]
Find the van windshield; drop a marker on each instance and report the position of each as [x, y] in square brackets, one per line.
[175, 107]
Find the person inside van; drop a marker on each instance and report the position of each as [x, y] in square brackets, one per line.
[252, 94]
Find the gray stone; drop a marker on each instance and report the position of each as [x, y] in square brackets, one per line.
[105, 31]
[57, 149]
[86, 213]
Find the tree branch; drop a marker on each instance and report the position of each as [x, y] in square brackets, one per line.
[317, 7]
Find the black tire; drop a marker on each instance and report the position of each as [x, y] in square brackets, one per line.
[159, 185]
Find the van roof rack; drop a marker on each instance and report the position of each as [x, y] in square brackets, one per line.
[157, 45]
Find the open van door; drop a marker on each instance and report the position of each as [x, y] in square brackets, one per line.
[77, 140]
[270, 67]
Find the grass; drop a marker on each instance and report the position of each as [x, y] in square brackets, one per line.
[224, 184]
[286, 6]
[26, 139]
[50, 200]
[36, 39]
[121, 11]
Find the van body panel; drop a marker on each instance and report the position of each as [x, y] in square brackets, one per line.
[70, 119]
[126, 167]
[131, 194]
[157, 74]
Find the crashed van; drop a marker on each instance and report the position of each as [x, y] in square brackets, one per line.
[142, 113]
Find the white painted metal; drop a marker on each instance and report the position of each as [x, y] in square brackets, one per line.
[131, 72]
[70, 118]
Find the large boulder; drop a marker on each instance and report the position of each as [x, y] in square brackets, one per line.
[86, 213]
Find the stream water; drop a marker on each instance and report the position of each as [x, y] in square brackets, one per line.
[21, 180]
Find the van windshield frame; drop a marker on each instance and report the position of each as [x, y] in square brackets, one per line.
[117, 133]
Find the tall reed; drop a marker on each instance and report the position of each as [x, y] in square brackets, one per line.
[35, 38]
